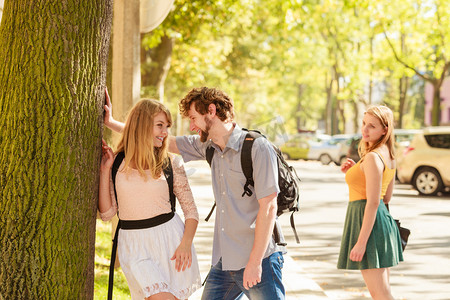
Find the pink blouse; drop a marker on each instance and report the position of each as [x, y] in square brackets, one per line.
[140, 199]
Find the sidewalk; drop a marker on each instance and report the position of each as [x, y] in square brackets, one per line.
[297, 283]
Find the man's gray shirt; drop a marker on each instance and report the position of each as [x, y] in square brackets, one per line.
[234, 229]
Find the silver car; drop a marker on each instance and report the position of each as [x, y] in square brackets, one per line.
[425, 163]
[329, 150]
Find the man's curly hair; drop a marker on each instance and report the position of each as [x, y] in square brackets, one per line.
[203, 97]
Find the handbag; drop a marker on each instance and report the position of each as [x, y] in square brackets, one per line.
[404, 232]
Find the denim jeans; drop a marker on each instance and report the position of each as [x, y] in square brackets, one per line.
[228, 284]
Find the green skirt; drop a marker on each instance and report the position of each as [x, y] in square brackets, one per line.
[383, 248]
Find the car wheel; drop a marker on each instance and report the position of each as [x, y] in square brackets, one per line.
[342, 161]
[427, 181]
[286, 156]
[325, 159]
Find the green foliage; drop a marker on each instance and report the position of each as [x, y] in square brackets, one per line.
[307, 61]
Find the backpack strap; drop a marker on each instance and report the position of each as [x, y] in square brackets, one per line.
[168, 173]
[247, 169]
[293, 227]
[115, 168]
[210, 212]
[246, 160]
[209, 155]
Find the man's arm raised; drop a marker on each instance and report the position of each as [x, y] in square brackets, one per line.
[173, 145]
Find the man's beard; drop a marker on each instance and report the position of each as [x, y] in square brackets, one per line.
[204, 134]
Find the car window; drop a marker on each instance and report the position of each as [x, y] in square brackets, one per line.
[403, 138]
[438, 140]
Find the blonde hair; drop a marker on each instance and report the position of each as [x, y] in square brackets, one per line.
[386, 117]
[137, 138]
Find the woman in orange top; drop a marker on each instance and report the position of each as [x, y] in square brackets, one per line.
[371, 240]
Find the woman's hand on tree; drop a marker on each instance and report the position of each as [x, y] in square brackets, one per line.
[107, 157]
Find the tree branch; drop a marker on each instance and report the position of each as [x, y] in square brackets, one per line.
[424, 77]
[443, 73]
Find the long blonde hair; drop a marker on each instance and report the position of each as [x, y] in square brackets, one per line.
[137, 138]
[386, 117]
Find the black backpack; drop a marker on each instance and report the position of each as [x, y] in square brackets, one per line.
[288, 180]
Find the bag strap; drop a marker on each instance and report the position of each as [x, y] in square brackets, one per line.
[247, 161]
[168, 173]
[209, 154]
[210, 212]
[247, 169]
[293, 228]
[115, 168]
[113, 262]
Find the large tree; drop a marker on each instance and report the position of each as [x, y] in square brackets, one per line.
[53, 56]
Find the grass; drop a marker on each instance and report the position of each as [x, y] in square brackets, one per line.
[103, 245]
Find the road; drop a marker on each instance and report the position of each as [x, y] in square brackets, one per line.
[425, 273]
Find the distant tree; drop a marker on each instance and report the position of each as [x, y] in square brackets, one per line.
[427, 45]
[53, 57]
[181, 26]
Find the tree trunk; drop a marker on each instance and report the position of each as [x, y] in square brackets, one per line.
[53, 67]
[155, 64]
[403, 92]
[298, 119]
[341, 114]
[436, 108]
[371, 71]
[356, 116]
[336, 107]
[329, 104]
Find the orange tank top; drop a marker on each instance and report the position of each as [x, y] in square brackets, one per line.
[357, 181]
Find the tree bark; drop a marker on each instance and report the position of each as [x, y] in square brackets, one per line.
[53, 56]
[356, 116]
[340, 114]
[298, 119]
[329, 104]
[403, 95]
[436, 108]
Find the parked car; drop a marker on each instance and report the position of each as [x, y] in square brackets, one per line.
[299, 145]
[403, 138]
[350, 147]
[296, 148]
[425, 163]
[329, 150]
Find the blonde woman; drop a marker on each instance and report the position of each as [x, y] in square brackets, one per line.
[371, 241]
[157, 257]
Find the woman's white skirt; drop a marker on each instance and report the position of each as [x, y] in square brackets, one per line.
[144, 256]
